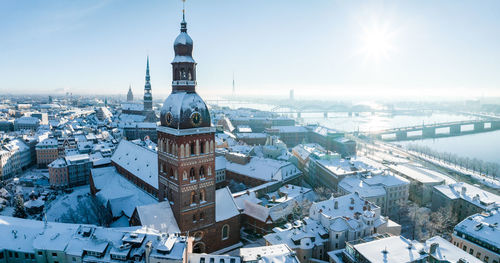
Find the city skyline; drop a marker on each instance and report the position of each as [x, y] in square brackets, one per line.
[329, 48]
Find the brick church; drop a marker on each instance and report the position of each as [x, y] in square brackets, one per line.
[186, 160]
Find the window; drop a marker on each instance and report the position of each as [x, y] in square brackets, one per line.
[192, 177]
[471, 251]
[192, 148]
[32, 256]
[202, 172]
[202, 195]
[40, 253]
[194, 218]
[26, 256]
[225, 232]
[202, 216]
[202, 149]
[54, 254]
[1, 255]
[184, 176]
[193, 197]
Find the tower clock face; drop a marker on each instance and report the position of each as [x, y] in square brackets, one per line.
[168, 118]
[196, 118]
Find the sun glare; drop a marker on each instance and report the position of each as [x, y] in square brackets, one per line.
[377, 42]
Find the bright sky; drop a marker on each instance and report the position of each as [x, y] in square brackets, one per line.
[319, 48]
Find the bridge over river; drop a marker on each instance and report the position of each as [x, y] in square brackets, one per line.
[438, 130]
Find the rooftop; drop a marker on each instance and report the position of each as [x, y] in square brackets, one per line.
[484, 227]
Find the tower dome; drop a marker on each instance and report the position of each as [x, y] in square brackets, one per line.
[183, 44]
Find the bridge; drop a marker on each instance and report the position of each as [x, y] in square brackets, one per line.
[438, 130]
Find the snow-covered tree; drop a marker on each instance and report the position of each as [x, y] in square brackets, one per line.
[19, 210]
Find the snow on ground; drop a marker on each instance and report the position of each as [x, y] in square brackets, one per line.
[477, 177]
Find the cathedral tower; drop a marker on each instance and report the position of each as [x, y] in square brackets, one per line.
[186, 158]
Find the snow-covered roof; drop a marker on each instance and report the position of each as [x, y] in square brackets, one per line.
[139, 161]
[115, 190]
[133, 106]
[353, 184]
[484, 227]
[277, 254]
[225, 207]
[393, 249]
[303, 234]
[158, 216]
[470, 193]
[27, 120]
[77, 158]
[265, 169]
[421, 174]
[447, 252]
[49, 142]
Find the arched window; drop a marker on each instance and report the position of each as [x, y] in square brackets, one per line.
[175, 175]
[171, 172]
[202, 149]
[190, 74]
[225, 232]
[194, 217]
[202, 195]
[193, 198]
[184, 176]
[192, 148]
[192, 176]
[211, 146]
[202, 172]
[209, 171]
[202, 215]
[188, 153]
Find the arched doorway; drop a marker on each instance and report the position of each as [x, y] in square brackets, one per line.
[199, 248]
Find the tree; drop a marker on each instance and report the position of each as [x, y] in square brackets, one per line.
[19, 207]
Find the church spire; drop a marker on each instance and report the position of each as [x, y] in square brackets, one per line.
[183, 23]
[148, 97]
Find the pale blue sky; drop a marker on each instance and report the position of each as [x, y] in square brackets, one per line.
[318, 48]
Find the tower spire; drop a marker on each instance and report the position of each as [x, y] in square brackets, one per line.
[148, 97]
[183, 23]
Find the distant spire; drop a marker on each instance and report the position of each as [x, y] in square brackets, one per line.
[147, 67]
[233, 84]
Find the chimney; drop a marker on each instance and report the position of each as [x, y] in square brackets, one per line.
[464, 190]
[336, 204]
[434, 246]
[352, 201]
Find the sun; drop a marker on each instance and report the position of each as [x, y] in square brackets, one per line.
[377, 41]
